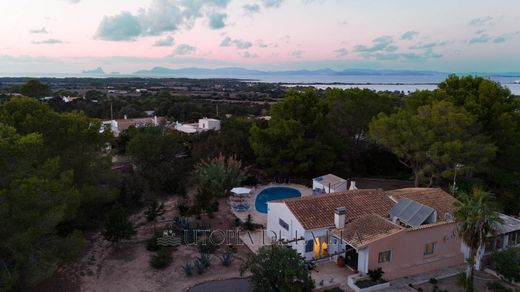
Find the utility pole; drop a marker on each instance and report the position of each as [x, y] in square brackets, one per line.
[457, 166]
[217, 109]
[111, 113]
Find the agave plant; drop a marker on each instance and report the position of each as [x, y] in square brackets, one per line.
[199, 267]
[227, 258]
[188, 269]
[204, 260]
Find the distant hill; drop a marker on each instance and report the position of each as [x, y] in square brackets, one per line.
[97, 71]
[236, 71]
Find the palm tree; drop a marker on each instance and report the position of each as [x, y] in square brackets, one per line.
[476, 218]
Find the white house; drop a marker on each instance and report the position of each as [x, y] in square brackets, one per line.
[329, 183]
[203, 125]
[120, 125]
[403, 231]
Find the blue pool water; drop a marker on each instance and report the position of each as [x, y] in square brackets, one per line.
[272, 194]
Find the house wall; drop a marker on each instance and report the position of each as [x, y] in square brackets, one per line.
[339, 188]
[407, 249]
[277, 211]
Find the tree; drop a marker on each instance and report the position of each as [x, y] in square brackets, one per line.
[476, 218]
[498, 113]
[433, 139]
[75, 140]
[117, 225]
[293, 142]
[278, 268]
[349, 114]
[159, 157]
[36, 195]
[215, 178]
[34, 88]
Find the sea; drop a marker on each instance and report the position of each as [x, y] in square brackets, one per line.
[405, 84]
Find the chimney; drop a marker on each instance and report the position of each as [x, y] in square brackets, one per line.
[339, 217]
[353, 186]
[125, 117]
[155, 121]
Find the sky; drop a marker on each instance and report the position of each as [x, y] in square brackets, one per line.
[68, 36]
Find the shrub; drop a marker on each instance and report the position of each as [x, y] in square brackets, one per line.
[461, 280]
[199, 267]
[204, 259]
[162, 259]
[376, 274]
[237, 222]
[227, 258]
[184, 208]
[187, 269]
[249, 224]
[151, 243]
[207, 247]
[497, 287]
[507, 263]
[433, 281]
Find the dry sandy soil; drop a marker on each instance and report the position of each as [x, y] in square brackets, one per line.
[125, 267]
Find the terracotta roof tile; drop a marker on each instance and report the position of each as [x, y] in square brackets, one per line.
[318, 211]
[366, 229]
[435, 198]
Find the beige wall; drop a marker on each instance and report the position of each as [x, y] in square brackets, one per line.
[407, 249]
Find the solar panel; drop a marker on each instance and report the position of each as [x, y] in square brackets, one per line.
[412, 213]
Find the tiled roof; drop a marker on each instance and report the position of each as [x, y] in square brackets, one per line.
[366, 229]
[124, 124]
[318, 211]
[435, 198]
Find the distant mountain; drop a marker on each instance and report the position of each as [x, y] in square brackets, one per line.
[236, 71]
[97, 71]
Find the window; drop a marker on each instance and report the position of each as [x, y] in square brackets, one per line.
[309, 246]
[429, 248]
[283, 224]
[385, 256]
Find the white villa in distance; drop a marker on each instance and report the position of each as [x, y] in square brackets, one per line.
[203, 125]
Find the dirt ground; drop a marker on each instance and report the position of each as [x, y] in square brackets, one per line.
[450, 284]
[125, 267]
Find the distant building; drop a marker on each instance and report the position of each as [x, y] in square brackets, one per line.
[118, 126]
[329, 183]
[203, 125]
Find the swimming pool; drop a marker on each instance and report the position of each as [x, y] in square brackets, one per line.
[274, 193]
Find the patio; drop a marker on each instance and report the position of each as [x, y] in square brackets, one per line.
[328, 275]
[258, 217]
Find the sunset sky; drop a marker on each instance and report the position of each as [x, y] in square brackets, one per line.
[68, 36]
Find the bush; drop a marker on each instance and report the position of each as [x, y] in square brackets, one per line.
[376, 274]
[199, 267]
[151, 243]
[227, 258]
[162, 259]
[433, 281]
[207, 247]
[497, 287]
[237, 222]
[187, 269]
[184, 208]
[204, 259]
[249, 224]
[507, 263]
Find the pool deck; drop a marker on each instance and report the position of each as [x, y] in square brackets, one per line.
[261, 218]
